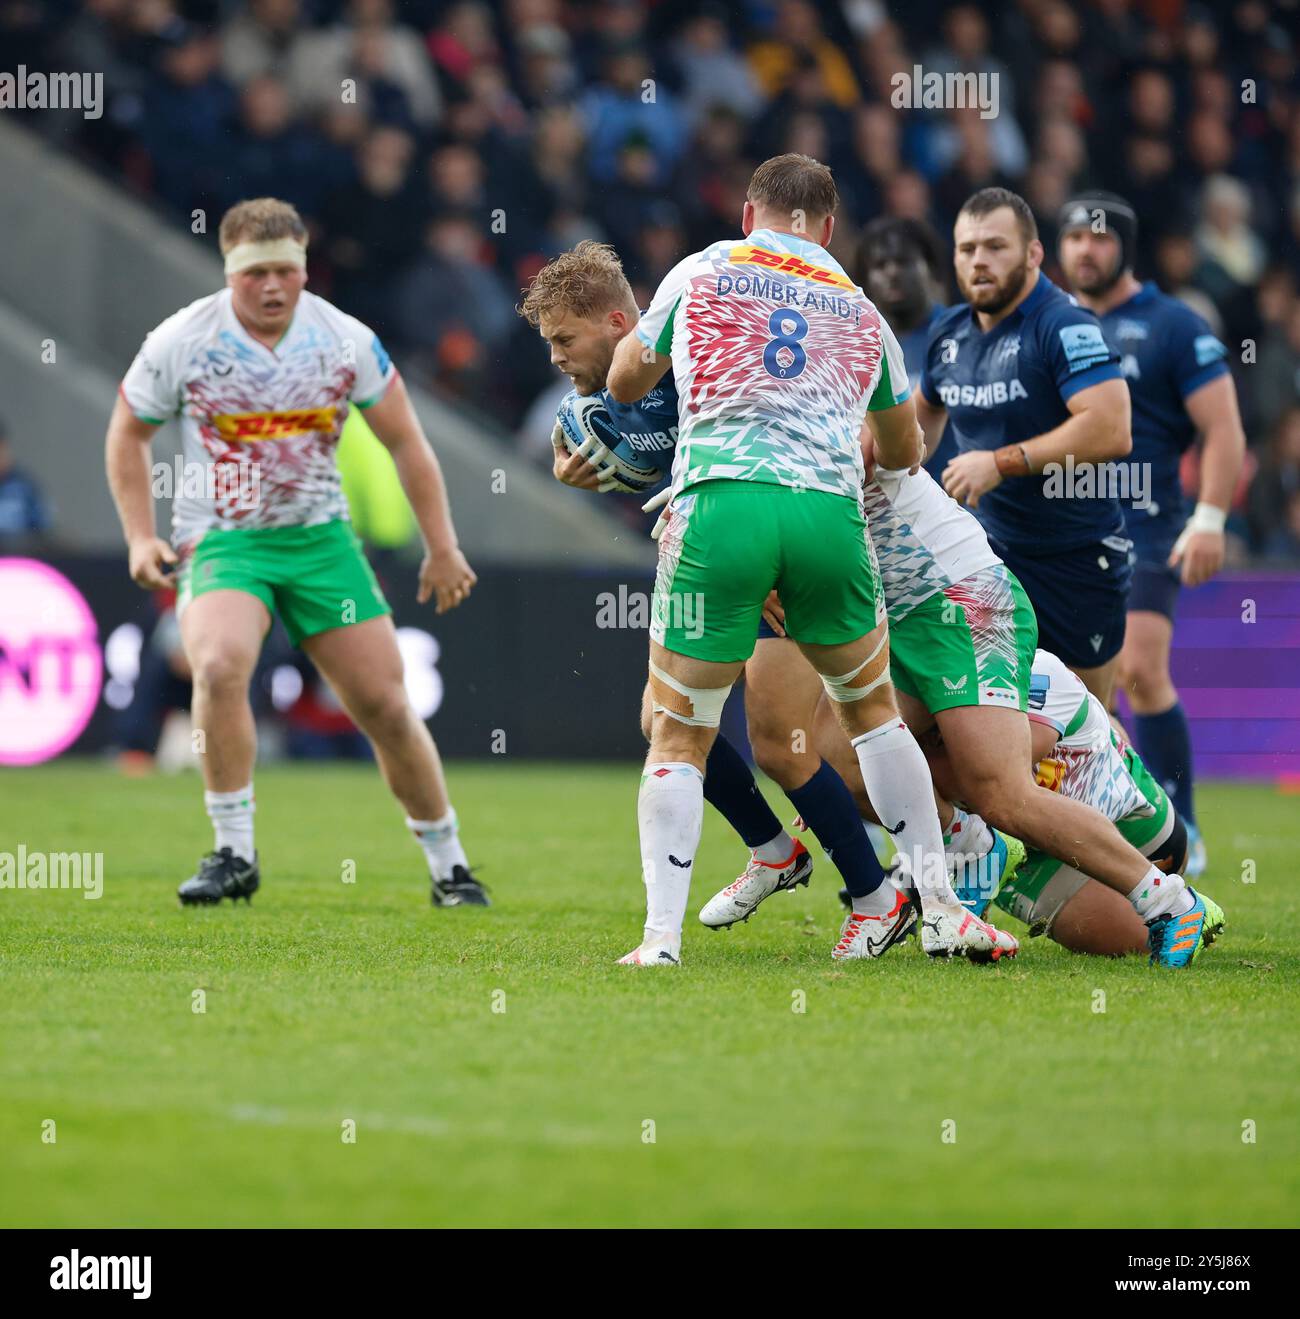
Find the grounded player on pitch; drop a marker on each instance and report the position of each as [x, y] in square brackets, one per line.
[1179, 383]
[261, 375]
[778, 358]
[963, 639]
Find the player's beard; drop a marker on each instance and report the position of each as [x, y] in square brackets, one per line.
[993, 298]
[1097, 284]
[593, 381]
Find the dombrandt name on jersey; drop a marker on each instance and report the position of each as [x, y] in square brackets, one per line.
[775, 290]
[990, 395]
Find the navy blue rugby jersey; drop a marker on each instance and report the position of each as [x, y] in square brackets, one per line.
[1167, 352]
[1012, 384]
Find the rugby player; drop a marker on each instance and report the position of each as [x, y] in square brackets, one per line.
[899, 265]
[779, 358]
[1078, 753]
[1179, 383]
[582, 305]
[962, 646]
[261, 375]
[1027, 380]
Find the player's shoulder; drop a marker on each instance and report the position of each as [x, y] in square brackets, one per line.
[314, 309]
[1049, 307]
[948, 322]
[1176, 316]
[195, 321]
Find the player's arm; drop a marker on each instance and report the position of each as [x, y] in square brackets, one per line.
[1099, 428]
[1213, 410]
[644, 355]
[445, 573]
[932, 418]
[126, 456]
[636, 369]
[893, 438]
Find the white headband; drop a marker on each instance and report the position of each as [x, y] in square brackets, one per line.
[281, 251]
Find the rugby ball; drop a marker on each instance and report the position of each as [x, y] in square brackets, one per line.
[584, 418]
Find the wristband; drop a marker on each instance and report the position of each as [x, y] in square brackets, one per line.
[1012, 460]
[1207, 517]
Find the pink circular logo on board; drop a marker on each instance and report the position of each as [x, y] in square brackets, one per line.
[50, 662]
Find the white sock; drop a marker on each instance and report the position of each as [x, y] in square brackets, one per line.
[898, 782]
[967, 835]
[441, 843]
[231, 814]
[1159, 894]
[670, 815]
[777, 850]
[879, 902]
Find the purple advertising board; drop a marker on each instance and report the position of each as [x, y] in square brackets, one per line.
[1236, 663]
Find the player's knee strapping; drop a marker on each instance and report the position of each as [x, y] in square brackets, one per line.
[699, 706]
[862, 681]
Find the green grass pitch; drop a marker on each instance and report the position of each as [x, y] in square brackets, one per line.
[596, 1094]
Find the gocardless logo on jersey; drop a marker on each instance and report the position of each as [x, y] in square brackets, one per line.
[245, 426]
[788, 264]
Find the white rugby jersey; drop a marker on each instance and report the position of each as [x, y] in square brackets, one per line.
[777, 355]
[924, 540]
[257, 419]
[1087, 763]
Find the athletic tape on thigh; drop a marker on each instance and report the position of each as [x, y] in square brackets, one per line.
[864, 679]
[699, 706]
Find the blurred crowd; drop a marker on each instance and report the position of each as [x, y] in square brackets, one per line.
[443, 149]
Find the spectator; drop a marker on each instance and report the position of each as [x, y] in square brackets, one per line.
[1277, 482]
[372, 227]
[268, 155]
[1276, 373]
[712, 73]
[256, 43]
[461, 43]
[797, 36]
[453, 312]
[23, 513]
[629, 104]
[1232, 255]
[187, 122]
[382, 62]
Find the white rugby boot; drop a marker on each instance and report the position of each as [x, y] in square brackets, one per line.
[873, 936]
[659, 951]
[740, 899]
[949, 930]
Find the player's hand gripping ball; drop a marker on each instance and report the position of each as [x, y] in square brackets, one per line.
[586, 429]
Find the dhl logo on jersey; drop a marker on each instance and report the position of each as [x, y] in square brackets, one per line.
[1050, 774]
[242, 427]
[786, 263]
